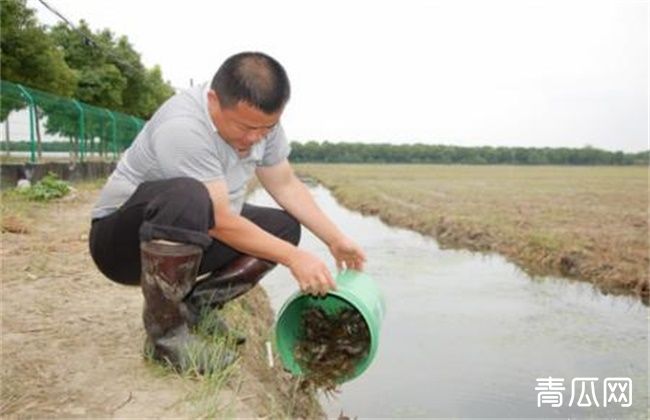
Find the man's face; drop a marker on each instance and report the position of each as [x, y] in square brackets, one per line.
[241, 126]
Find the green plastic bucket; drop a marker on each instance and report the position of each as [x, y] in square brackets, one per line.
[355, 290]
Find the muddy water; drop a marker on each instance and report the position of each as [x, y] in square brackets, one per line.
[467, 335]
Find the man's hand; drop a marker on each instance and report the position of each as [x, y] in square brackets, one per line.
[347, 254]
[311, 273]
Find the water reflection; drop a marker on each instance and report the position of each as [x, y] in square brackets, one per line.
[467, 335]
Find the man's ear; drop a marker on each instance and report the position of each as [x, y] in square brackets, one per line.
[214, 98]
[214, 106]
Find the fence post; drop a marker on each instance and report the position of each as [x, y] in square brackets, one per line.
[82, 130]
[32, 116]
[110, 114]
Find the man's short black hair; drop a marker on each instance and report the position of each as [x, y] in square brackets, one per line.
[254, 78]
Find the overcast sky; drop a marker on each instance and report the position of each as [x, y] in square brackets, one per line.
[501, 73]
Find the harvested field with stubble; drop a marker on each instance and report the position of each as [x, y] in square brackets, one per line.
[586, 223]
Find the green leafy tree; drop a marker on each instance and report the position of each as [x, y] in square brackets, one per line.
[423, 153]
[98, 69]
[157, 91]
[101, 82]
[145, 90]
[29, 56]
[111, 71]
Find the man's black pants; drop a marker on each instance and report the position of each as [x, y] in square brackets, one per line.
[178, 210]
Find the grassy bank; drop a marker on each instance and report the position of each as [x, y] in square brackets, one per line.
[587, 223]
[72, 340]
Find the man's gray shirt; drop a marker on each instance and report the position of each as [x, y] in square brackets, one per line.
[181, 140]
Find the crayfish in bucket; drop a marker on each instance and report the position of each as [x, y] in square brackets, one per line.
[331, 347]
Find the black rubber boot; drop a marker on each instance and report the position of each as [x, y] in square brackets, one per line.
[222, 286]
[168, 275]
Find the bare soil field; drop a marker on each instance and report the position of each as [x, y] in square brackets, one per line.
[586, 223]
[72, 340]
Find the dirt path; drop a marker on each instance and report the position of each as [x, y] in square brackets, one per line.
[71, 340]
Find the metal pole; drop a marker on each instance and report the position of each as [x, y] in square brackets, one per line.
[110, 114]
[32, 109]
[7, 133]
[82, 130]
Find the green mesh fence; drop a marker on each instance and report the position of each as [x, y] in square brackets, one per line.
[42, 125]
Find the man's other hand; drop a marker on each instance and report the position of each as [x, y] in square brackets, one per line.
[347, 254]
[311, 273]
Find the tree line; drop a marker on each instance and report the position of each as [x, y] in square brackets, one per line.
[328, 152]
[98, 68]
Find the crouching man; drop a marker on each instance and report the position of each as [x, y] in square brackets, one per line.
[173, 209]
